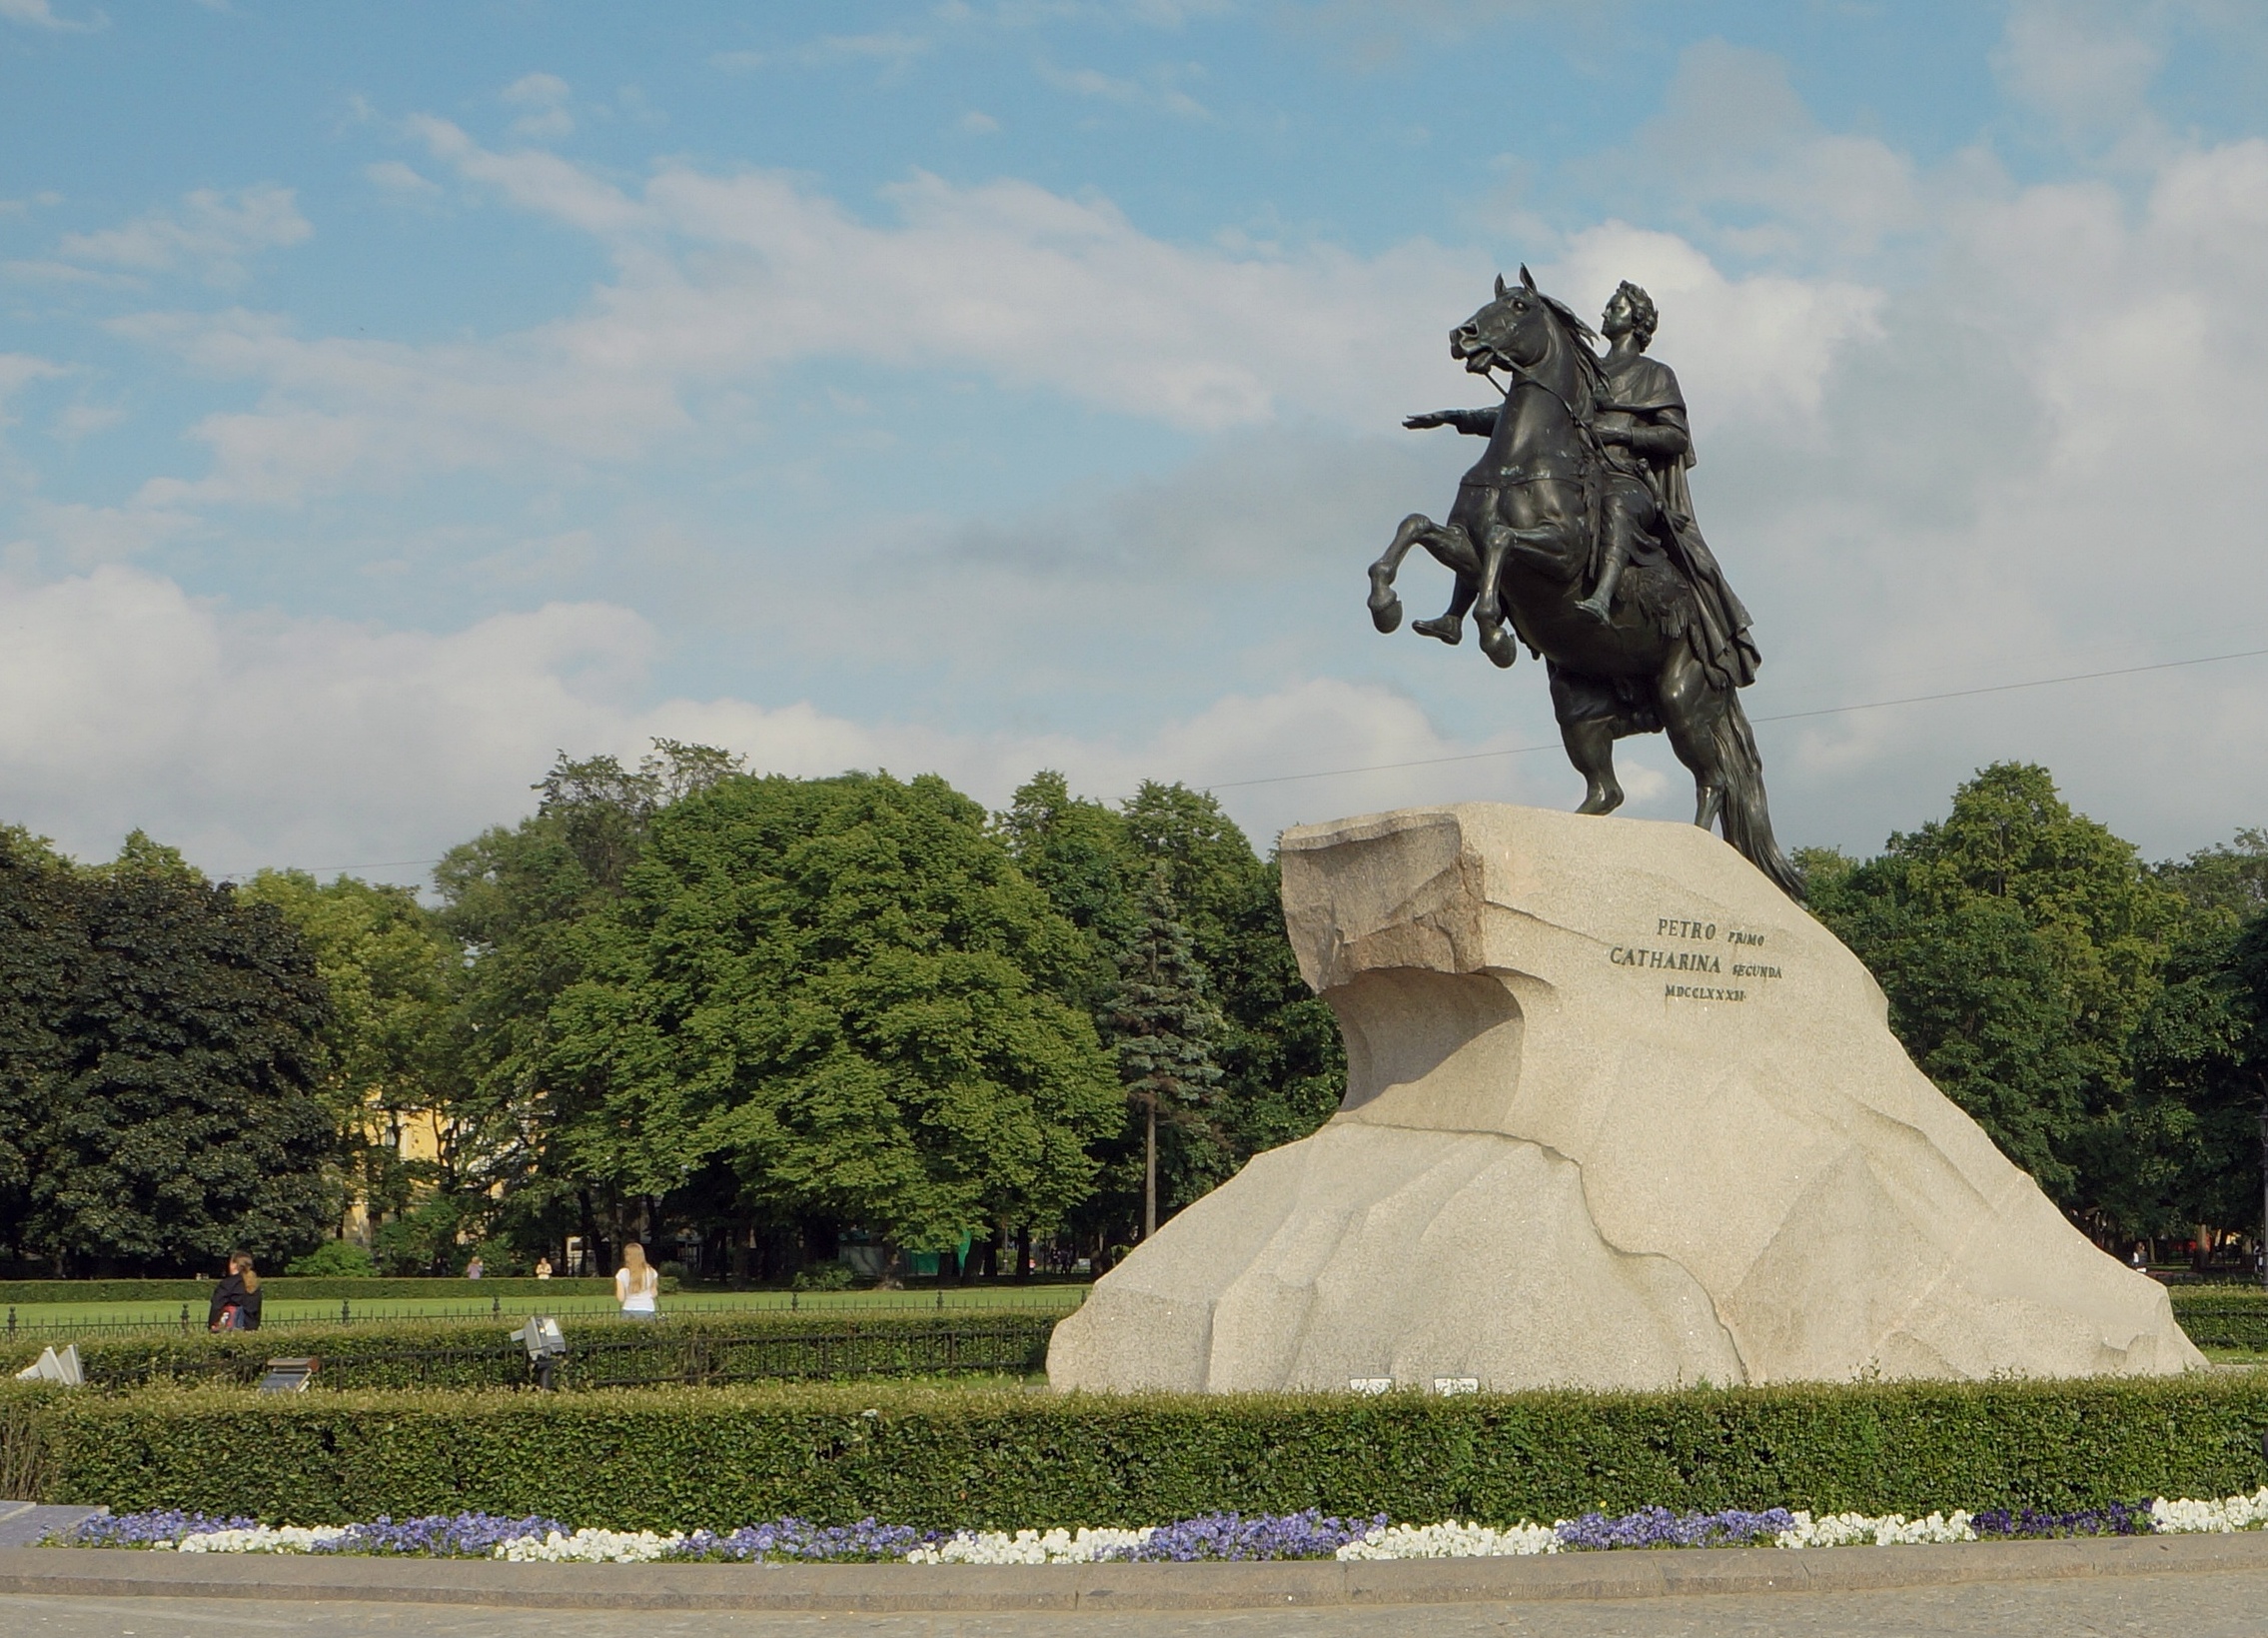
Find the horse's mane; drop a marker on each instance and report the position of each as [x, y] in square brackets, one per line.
[1590, 374]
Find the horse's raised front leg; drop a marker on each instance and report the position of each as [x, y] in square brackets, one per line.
[1497, 639]
[1385, 604]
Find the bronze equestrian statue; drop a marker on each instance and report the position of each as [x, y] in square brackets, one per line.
[1573, 534]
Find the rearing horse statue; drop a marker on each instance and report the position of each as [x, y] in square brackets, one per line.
[1539, 515]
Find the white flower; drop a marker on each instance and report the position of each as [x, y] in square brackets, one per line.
[2210, 1517]
[1453, 1540]
[264, 1538]
[1027, 1547]
[588, 1547]
[1862, 1530]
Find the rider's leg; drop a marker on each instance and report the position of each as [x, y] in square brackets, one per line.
[1449, 627]
[1691, 705]
[1451, 547]
[1618, 525]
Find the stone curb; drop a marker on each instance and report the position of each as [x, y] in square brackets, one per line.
[83, 1572]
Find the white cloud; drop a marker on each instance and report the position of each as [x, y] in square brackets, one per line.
[1159, 90]
[723, 279]
[544, 97]
[2082, 63]
[41, 14]
[214, 234]
[397, 177]
[250, 740]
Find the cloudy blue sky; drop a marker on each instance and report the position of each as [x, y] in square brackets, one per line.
[390, 395]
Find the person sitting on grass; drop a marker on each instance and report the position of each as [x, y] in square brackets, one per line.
[235, 1301]
[636, 1284]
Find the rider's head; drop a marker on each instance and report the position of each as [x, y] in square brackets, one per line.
[1642, 314]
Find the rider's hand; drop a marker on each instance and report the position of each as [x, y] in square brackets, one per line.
[1432, 418]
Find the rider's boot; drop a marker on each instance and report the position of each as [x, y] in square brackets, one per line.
[1600, 605]
[1450, 628]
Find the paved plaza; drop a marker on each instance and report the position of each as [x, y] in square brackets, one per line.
[2230, 1604]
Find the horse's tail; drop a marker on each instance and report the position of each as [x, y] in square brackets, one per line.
[1748, 820]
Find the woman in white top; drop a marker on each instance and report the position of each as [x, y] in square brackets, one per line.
[635, 1282]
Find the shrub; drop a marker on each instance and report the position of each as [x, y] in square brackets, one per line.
[334, 1260]
[2223, 1317]
[665, 1459]
[824, 1276]
[701, 1349]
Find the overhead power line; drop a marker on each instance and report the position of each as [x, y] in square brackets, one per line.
[1778, 716]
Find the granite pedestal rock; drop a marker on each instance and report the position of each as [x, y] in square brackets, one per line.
[1619, 1115]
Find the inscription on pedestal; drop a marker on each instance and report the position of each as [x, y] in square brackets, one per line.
[1741, 959]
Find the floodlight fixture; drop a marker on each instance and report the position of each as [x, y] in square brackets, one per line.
[289, 1375]
[50, 1366]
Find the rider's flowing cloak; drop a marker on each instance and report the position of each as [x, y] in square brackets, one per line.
[1646, 387]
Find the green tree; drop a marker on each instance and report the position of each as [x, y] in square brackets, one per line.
[40, 947]
[1283, 1069]
[179, 1116]
[2019, 944]
[2229, 878]
[1166, 1030]
[847, 991]
[393, 1045]
[517, 898]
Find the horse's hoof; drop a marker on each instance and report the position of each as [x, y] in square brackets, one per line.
[1500, 645]
[1451, 632]
[1602, 801]
[1386, 615]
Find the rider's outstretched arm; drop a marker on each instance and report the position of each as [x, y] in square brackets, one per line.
[1473, 423]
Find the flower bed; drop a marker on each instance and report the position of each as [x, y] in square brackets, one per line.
[1215, 1537]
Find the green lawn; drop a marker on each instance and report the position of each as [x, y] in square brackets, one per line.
[60, 1319]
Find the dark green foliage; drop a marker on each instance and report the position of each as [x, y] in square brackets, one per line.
[163, 1064]
[2223, 1316]
[1165, 1030]
[334, 1260]
[2230, 877]
[1283, 1069]
[674, 1460]
[2019, 944]
[689, 1348]
[844, 992]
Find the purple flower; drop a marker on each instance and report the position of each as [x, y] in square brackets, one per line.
[440, 1535]
[794, 1538]
[167, 1524]
[1262, 1535]
[2118, 1520]
[1659, 1527]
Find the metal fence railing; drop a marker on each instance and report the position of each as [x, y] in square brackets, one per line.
[31, 1323]
[650, 1358]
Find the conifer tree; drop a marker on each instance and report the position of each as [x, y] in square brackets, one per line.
[1167, 1029]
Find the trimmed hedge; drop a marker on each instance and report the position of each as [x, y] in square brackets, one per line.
[695, 1349]
[2223, 1316]
[1002, 1458]
[32, 1293]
